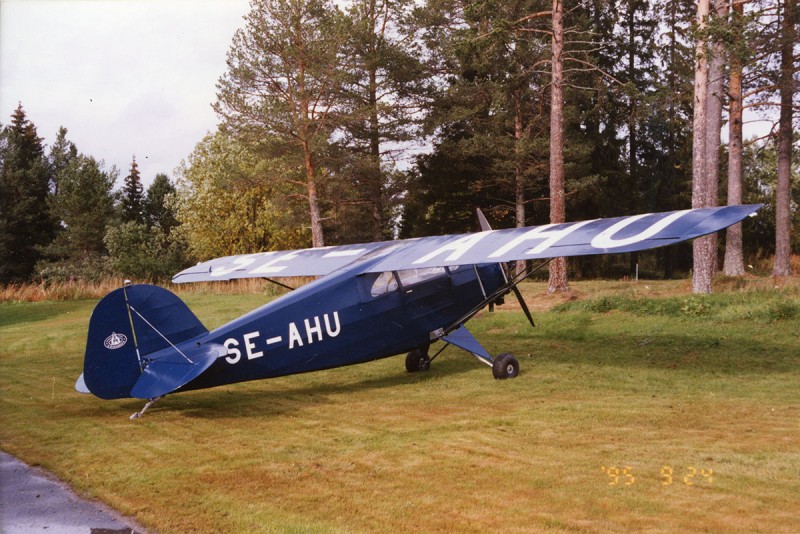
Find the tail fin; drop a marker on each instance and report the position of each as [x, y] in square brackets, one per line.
[131, 332]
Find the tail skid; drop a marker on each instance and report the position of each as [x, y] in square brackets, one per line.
[143, 343]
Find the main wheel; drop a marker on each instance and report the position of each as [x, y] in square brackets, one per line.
[417, 360]
[505, 366]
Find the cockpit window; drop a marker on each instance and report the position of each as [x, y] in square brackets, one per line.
[385, 283]
[409, 277]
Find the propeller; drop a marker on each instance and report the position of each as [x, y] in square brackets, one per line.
[486, 227]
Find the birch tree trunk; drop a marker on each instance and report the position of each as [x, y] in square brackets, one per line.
[558, 267]
[716, 89]
[702, 267]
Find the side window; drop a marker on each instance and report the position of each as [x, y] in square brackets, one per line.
[410, 277]
[385, 283]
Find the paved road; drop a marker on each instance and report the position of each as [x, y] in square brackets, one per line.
[33, 501]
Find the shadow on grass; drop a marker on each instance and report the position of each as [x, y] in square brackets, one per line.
[256, 398]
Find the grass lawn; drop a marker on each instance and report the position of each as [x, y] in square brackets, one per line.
[638, 407]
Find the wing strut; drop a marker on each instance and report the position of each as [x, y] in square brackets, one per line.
[281, 284]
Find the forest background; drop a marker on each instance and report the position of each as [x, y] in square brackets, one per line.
[345, 122]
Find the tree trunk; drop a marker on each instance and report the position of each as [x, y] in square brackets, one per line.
[702, 265]
[716, 88]
[633, 144]
[734, 255]
[558, 267]
[633, 140]
[783, 221]
[519, 174]
[669, 190]
[376, 180]
[317, 239]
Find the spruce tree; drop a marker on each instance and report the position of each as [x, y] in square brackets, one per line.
[61, 153]
[132, 201]
[25, 221]
[84, 206]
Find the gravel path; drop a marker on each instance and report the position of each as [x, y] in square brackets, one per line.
[32, 500]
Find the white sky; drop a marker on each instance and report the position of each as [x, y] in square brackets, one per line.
[124, 76]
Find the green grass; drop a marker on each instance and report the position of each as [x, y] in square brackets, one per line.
[627, 378]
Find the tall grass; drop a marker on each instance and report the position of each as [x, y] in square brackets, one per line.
[80, 290]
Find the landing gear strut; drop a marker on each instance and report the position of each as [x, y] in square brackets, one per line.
[150, 402]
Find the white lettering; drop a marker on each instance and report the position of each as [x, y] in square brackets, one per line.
[294, 336]
[235, 354]
[317, 329]
[249, 346]
[459, 247]
[271, 268]
[605, 238]
[545, 232]
[344, 253]
[332, 333]
[237, 264]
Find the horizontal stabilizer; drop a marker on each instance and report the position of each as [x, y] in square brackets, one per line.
[171, 369]
[80, 385]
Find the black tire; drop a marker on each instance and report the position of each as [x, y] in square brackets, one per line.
[417, 360]
[505, 366]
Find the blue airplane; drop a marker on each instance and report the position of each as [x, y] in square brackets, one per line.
[370, 301]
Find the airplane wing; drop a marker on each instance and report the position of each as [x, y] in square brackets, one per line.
[303, 262]
[598, 236]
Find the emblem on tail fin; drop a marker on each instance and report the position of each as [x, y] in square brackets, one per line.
[115, 341]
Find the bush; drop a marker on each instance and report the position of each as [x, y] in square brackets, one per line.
[92, 268]
[143, 253]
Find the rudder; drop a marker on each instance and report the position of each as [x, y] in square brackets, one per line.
[127, 325]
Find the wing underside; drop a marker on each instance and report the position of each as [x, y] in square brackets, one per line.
[599, 236]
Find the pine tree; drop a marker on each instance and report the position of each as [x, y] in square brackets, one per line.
[284, 82]
[558, 267]
[132, 201]
[734, 251]
[25, 221]
[381, 96]
[486, 118]
[783, 200]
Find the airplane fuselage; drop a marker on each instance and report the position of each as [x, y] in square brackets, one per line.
[346, 319]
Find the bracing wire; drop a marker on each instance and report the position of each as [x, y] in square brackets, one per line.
[160, 334]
